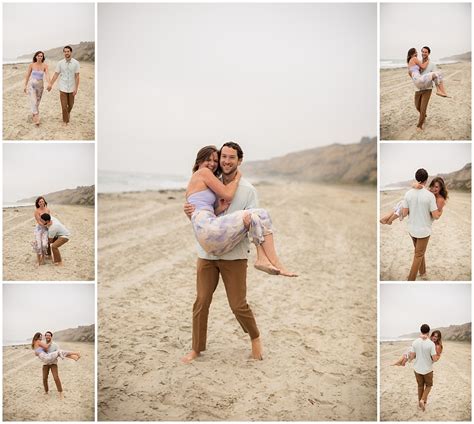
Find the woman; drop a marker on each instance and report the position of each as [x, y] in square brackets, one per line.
[219, 235]
[41, 351]
[41, 243]
[437, 187]
[424, 81]
[435, 338]
[34, 86]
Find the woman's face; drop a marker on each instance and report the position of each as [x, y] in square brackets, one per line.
[434, 338]
[41, 203]
[211, 162]
[39, 57]
[435, 188]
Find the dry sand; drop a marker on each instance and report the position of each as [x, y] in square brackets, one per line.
[17, 118]
[23, 393]
[450, 398]
[318, 330]
[19, 259]
[448, 256]
[448, 118]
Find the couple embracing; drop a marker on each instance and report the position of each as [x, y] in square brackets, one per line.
[223, 209]
[67, 70]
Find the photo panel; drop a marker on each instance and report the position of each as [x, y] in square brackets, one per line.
[48, 71]
[49, 352]
[425, 352]
[425, 72]
[48, 212]
[247, 79]
[425, 226]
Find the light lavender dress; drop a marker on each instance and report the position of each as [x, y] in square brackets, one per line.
[220, 234]
[50, 358]
[425, 81]
[40, 244]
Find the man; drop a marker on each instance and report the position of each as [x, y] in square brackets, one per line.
[68, 70]
[420, 204]
[53, 347]
[58, 235]
[424, 352]
[232, 265]
[422, 96]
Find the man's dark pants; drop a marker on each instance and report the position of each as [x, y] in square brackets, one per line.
[54, 371]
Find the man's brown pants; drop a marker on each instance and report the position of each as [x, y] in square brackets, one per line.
[54, 245]
[419, 257]
[54, 371]
[425, 383]
[422, 99]
[234, 275]
[67, 102]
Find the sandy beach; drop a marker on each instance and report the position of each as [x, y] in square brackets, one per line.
[448, 256]
[448, 118]
[450, 398]
[318, 330]
[19, 259]
[23, 393]
[17, 118]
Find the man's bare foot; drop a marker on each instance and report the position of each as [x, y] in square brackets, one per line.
[257, 349]
[61, 395]
[422, 405]
[267, 267]
[59, 263]
[190, 357]
[419, 129]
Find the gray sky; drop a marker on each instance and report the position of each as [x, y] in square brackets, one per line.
[404, 307]
[40, 168]
[273, 77]
[444, 27]
[399, 161]
[28, 308]
[28, 27]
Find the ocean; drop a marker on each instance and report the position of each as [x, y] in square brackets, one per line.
[402, 63]
[117, 182]
[15, 61]
[17, 205]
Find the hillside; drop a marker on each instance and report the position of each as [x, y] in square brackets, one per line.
[84, 195]
[459, 333]
[464, 57]
[457, 180]
[83, 333]
[83, 52]
[336, 163]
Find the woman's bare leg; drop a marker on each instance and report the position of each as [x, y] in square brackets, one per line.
[440, 90]
[73, 355]
[263, 263]
[401, 362]
[269, 248]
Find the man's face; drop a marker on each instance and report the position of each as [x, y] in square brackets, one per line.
[229, 160]
[47, 336]
[424, 53]
[67, 53]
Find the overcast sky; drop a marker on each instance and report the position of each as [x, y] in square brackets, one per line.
[404, 307]
[273, 77]
[40, 168]
[444, 27]
[28, 308]
[28, 27]
[399, 161]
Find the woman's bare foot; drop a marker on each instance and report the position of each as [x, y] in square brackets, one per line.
[266, 267]
[383, 220]
[257, 349]
[286, 273]
[190, 357]
[441, 93]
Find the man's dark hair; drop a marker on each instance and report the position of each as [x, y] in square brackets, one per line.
[235, 146]
[421, 175]
[427, 48]
[425, 329]
[48, 332]
[46, 217]
[67, 47]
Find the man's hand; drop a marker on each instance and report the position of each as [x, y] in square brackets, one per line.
[188, 209]
[74, 93]
[49, 87]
